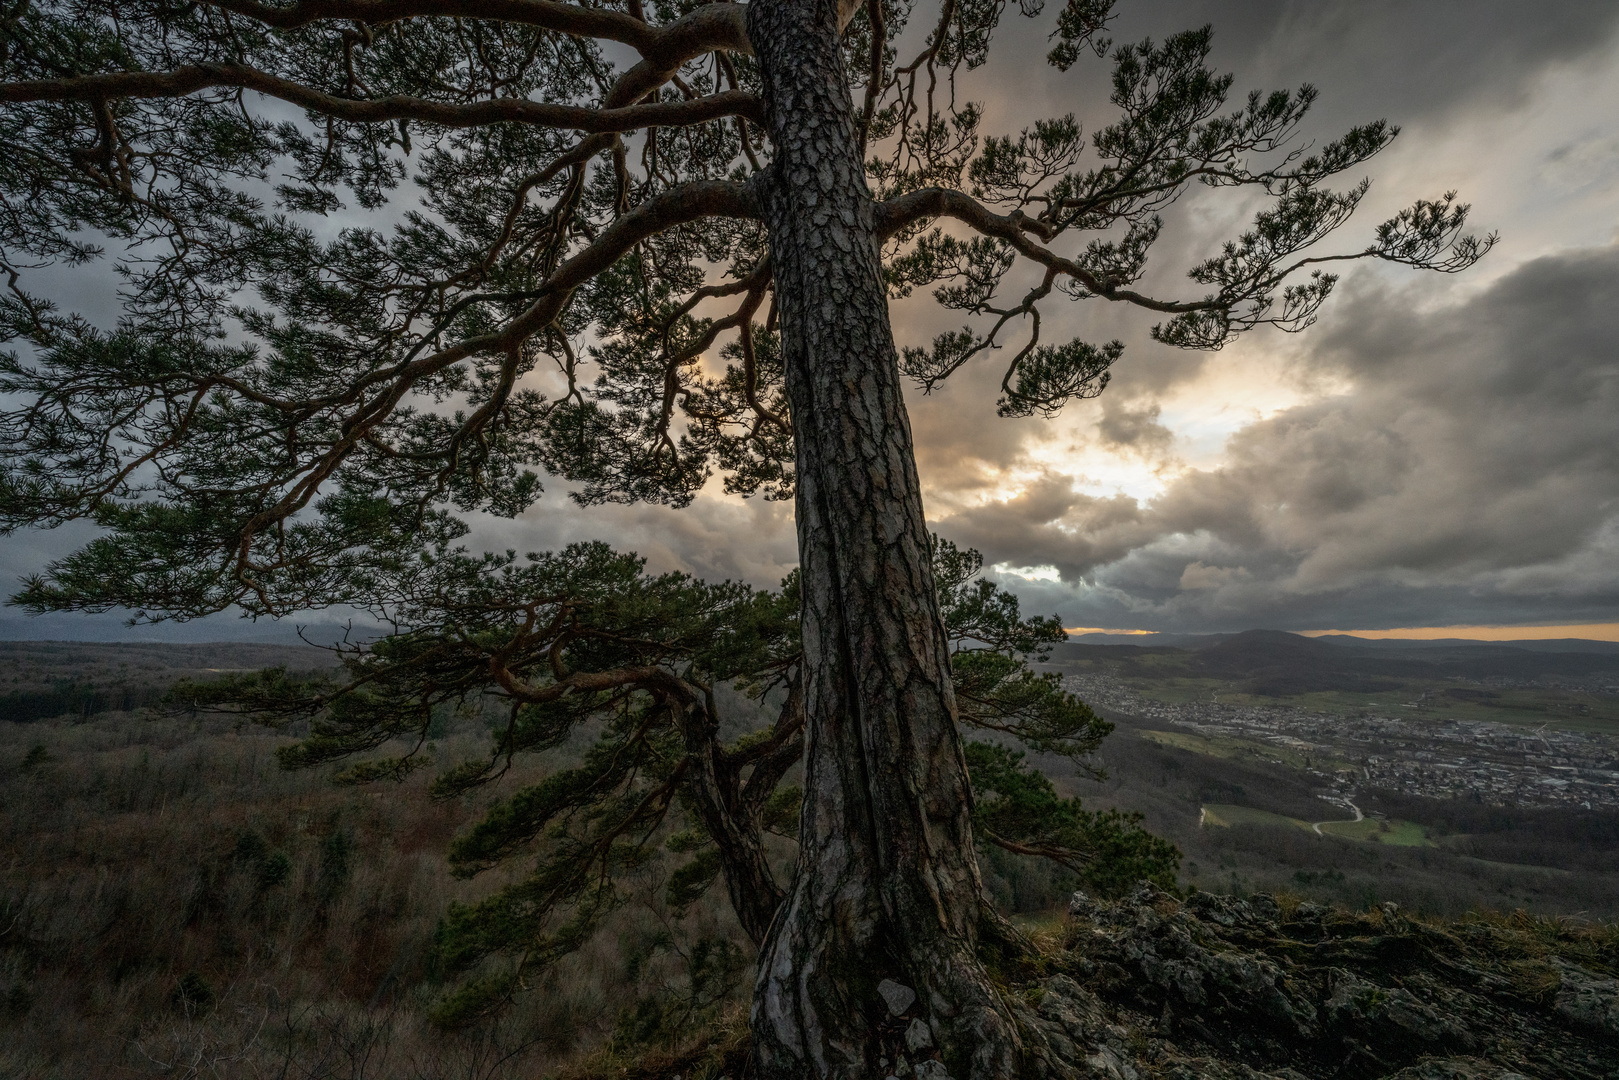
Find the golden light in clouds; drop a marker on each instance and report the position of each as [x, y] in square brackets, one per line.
[1585, 631]
[1101, 630]
[1588, 631]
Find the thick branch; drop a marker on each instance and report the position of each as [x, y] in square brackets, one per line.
[580, 682]
[719, 26]
[1014, 228]
[1069, 857]
[194, 78]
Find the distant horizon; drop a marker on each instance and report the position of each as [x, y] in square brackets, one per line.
[1556, 632]
[66, 629]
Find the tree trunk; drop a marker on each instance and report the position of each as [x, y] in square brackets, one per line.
[887, 886]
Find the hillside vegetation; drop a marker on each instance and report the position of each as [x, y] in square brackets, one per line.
[174, 904]
[1243, 808]
[44, 679]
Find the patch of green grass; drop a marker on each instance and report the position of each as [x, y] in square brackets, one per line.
[1225, 815]
[1370, 830]
[1394, 832]
[1040, 922]
[1197, 744]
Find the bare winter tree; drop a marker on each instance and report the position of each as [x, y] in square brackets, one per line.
[604, 195]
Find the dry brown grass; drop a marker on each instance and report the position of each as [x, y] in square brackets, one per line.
[716, 1049]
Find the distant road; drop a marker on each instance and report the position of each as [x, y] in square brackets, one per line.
[1348, 801]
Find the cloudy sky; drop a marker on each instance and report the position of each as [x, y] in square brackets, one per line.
[1436, 452]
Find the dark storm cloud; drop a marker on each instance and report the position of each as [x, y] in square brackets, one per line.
[1050, 524]
[749, 540]
[1387, 57]
[1431, 67]
[1133, 428]
[961, 445]
[1470, 472]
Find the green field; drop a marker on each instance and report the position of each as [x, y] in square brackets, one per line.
[1225, 815]
[1372, 830]
[1378, 831]
[1198, 744]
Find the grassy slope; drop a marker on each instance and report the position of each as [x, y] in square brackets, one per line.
[1380, 831]
[1225, 815]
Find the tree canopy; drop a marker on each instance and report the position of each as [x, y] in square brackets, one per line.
[389, 261]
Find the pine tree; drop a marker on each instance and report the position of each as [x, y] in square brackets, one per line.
[318, 367]
[560, 644]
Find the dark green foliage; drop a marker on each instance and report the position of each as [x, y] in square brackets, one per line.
[336, 856]
[691, 881]
[37, 755]
[711, 968]
[475, 998]
[251, 847]
[1310, 877]
[274, 869]
[19, 999]
[70, 698]
[1019, 809]
[781, 811]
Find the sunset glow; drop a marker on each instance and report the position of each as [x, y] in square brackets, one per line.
[1587, 631]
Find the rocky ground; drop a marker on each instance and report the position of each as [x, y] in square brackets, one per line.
[1221, 988]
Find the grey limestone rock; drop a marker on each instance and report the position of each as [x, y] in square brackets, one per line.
[897, 996]
[1226, 988]
[1588, 1001]
[1107, 1062]
[1456, 1069]
[1361, 1005]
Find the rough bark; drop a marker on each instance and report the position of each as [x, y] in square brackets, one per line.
[887, 884]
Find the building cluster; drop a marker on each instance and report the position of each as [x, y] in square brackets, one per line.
[1417, 755]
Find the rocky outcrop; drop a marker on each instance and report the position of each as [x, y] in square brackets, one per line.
[1219, 987]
